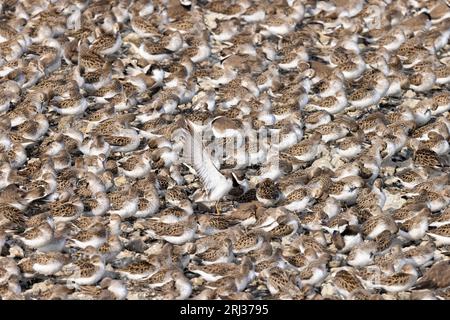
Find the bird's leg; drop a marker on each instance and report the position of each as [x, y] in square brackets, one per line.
[217, 208]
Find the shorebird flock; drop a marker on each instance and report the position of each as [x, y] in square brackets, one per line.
[112, 113]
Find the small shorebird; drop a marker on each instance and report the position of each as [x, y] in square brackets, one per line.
[215, 184]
